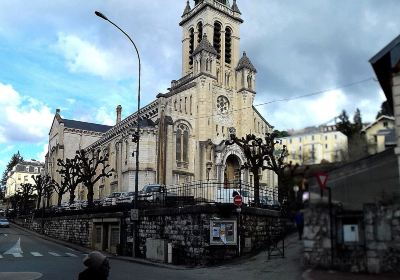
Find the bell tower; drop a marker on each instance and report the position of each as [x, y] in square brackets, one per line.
[220, 22]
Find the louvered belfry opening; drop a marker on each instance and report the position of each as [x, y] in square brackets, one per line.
[228, 45]
[217, 38]
[191, 46]
[199, 32]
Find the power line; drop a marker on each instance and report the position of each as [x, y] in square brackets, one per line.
[292, 98]
[317, 92]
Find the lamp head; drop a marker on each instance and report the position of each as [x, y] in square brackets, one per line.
[100, 15]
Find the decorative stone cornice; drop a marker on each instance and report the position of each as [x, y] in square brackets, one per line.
[148, 111]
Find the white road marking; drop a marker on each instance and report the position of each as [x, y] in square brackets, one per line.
[15, 249]
[54, 254]
[1, 256]
[71, 255]
[17, 255]
[36, 254]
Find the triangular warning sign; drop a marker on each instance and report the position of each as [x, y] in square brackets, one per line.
[322, 178]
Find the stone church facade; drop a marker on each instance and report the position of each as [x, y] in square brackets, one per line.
[183, 131]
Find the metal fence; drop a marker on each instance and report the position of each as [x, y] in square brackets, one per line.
[203, 192]
[190, 193]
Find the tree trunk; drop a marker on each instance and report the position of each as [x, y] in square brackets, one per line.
[90, 195]
[256, 187]
[38, 201]
[59, 198]
[71, 196]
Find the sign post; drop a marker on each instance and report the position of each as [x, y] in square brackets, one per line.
[322, 178]
[238, 201]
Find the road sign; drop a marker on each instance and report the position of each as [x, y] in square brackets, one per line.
[237, 200]
[134, 214]
[322, 178]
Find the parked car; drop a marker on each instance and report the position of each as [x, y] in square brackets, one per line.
[4, 223]
[2, 212]
[128, 197]
[153, 193]
[77, 205]
[112, 198]
[63, 207]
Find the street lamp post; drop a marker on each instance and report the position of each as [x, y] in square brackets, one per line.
[136, 136]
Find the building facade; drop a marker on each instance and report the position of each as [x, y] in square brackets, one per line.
[314, 145]
[22, 174]
[386, 65]
[65, 138]
[183, 131]
[380, 134]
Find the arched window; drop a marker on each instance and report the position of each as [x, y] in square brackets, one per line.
[191, 45]
[200, 32]
[249, 82]
[228, 45]
[182, 143]
[217, 38]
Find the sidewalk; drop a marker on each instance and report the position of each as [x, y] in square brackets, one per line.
[336, 275]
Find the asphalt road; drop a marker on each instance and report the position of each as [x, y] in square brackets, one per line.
[24, 256]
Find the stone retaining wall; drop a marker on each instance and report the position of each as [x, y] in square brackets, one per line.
[74, 229]
[187, 229]
[377, 249]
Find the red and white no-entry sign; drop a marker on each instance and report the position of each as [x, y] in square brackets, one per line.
[322, 178]
[237, 200]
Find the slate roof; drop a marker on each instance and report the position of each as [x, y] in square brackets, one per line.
[204, 45]
[385, 63]
[245, 62]
[86, 126]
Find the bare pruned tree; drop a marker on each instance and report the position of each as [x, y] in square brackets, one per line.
[260, 154]
[91, 170]
[70, 178]
[26, 192]
[40, 185]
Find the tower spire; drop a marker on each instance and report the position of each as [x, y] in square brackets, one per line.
[187, 8]
[235, 7]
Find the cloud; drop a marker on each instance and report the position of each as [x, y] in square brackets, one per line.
[82, 56]
[24, 118]
[312, 111]
[41, 155]
[104, 116]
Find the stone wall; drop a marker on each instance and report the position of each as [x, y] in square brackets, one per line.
[377, 249]
[188, 229]
[74, 229]
[382, 236]
[316, 236]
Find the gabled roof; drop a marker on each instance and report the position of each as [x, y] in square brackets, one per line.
[385, 63]
[378, 120]
[85, 125]
[205, 45]
[245, 62]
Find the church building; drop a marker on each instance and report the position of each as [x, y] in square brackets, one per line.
[183, 131]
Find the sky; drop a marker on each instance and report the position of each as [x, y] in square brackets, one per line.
[58, 54]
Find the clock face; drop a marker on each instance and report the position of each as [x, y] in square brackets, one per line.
[222, 104]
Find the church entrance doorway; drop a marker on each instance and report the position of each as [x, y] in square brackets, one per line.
[232, 170]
